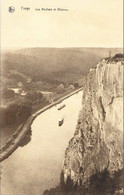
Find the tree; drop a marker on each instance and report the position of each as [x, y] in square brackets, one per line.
[71, 87]
[39, 95]
[8, 93]
[76, 85]
[24, 109]
[61, 88]
[62, 183]
[119, 55]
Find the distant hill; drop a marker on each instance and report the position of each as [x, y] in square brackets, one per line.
[53, 65]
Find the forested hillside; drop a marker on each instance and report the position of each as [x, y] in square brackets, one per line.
[51, 66]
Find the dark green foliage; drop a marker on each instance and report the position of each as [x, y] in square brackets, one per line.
[100, 184]
[51, 66]
[18, 76]
[62, 183]
[23, 109]
[119, 55]
[8, 93]
[16, 111]
[76, 85]
[34, 95]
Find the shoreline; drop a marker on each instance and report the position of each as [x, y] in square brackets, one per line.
[20, 134]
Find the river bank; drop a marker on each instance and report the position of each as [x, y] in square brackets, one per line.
[20, 133]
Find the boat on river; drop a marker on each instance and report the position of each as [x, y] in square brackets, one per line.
[61, 121]
[61, 106]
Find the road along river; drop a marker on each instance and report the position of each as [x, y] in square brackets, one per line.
[36, 166]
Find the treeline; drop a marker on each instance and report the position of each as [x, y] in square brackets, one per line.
[51, 66]
[16, 109]
[100, 183]
[15, 112]
[7, 93]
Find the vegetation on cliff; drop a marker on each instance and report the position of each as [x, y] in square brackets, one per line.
[99, 184]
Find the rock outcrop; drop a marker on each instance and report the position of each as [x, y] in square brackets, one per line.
[97, 144]
[94, 156]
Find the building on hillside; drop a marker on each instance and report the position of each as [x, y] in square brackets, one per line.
[16, 90]
[23, 93]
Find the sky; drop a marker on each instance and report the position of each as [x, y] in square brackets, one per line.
[87, 23]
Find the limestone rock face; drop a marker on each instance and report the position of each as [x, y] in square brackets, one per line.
[97, 144]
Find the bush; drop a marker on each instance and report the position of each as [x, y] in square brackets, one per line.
[8, 93]
[119, 55]
[16, 111]
[33, 96]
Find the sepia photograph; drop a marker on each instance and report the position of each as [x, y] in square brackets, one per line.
[61, 94]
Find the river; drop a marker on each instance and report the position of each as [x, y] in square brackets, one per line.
[36, 166]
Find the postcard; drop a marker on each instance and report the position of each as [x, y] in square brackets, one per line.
[61, 86]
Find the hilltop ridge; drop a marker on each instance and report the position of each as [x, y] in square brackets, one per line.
[52, 66]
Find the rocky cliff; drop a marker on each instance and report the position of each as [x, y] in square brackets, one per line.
[94, 157]
[97, 144]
